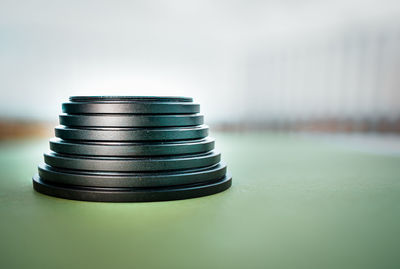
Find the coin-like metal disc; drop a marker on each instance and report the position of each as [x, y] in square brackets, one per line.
[131, 194]
[114, 179]
[131, 134]
[125, 164]
[131, 149]
[107, 120]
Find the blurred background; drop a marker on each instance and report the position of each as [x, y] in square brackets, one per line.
[330, 66]
[302, 96]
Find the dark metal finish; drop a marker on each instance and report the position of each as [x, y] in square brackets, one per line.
[130, 99]
[132, 134]
[130, 108]
[114, 120]
[125, 164]
[131, 194]
[123, 180]
[131, 149]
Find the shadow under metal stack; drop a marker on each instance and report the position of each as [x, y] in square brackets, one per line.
[131, 149]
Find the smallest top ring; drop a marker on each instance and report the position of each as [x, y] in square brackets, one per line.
[130, 99]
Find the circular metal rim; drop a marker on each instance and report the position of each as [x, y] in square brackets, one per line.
[131, 149]
[130, 108]
[110, 98]
[116, 164]
[132, 134]
[123, 180]
[131, 120]
[131, 194]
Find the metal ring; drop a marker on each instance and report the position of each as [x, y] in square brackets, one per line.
[132, 134]
[125, 164]
[130, 99]
[123, 180]
[131, 149]
[131, 194]
[130, 120]
[130, 108]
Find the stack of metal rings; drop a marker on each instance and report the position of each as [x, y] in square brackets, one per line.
[131, 149]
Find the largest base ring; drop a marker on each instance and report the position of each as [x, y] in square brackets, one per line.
[131, 194]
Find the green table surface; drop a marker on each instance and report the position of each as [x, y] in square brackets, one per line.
[296, 202]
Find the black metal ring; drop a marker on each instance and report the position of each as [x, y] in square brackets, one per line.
[131, 134]
[131, 149]
[130, 99]
[115, 120]
[131, 194]
[123, 180]
[130, 108]
[124, 164]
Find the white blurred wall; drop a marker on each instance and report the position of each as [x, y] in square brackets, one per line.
[240, 59]
[353, 74]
